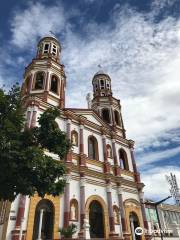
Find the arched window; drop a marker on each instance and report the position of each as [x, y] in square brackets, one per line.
[54, 50]
[116, 214]
[39, 81]
[54, 84]
[74, 138]
[93, 148]
[106, 115]
[109, 151]
[46, 47]
[107, 84]
[123, 159]
[102, 84]
[73, 210]
[117, 117]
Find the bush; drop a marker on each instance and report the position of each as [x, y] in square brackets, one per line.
[68, 231]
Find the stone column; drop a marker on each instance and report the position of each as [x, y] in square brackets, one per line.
[68, 131]
[40, 224]
[30, 84]
[104, 148]
[47, 82]
[141, 196]
[81, 145]
[19, 218]
[136, 173]
[46, 87]
[116, 165]
[110, 211]
[62, 95]
[67, 201]
[28, 121]
[123, 215]
[82, 160]
[33, 121]
[113, 117]
[106, 163]
[82, 205]
[145, 222]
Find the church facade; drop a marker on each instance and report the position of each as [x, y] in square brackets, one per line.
[103, 194]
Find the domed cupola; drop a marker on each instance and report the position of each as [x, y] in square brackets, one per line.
[44, 77]
[101, 84]
[105, 104]
[47, 47]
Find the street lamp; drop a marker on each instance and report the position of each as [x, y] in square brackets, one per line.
[155, 204]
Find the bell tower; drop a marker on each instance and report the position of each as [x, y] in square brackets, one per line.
[103, 102]
[44, 77]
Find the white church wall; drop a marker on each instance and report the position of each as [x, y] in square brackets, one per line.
[92, 119]
[75, 190]
[85, 140]
[62, 124]
[91, 189]
[114, 197]
[128, 195]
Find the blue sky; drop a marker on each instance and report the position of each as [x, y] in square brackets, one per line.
[137, 42]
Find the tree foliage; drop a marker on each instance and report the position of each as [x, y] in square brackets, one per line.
[69, 231]
[24, 166]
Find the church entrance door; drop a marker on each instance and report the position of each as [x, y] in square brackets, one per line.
[43, 221]
[96, 220]
[134, 223]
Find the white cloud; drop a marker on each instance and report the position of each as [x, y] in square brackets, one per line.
[155, 156]
[36, 21]
[156, 185]
[143, 60]
[141, 56]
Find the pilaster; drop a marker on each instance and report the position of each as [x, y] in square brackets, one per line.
[67, 200]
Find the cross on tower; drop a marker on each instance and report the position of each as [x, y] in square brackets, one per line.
[99, 66]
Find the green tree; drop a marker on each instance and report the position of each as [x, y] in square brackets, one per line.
[24, 166]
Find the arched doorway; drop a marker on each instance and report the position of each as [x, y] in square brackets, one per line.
[96, 220]
[134, 223]
[44, 220]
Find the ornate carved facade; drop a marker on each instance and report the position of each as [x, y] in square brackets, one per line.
[103, 193]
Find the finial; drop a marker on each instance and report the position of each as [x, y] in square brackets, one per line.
[52, 33]
[99, 66]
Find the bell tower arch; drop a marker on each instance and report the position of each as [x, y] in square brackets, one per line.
[44, 77]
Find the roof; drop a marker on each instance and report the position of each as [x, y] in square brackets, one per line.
[85, 111]
[101, 72]
[50, 36]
